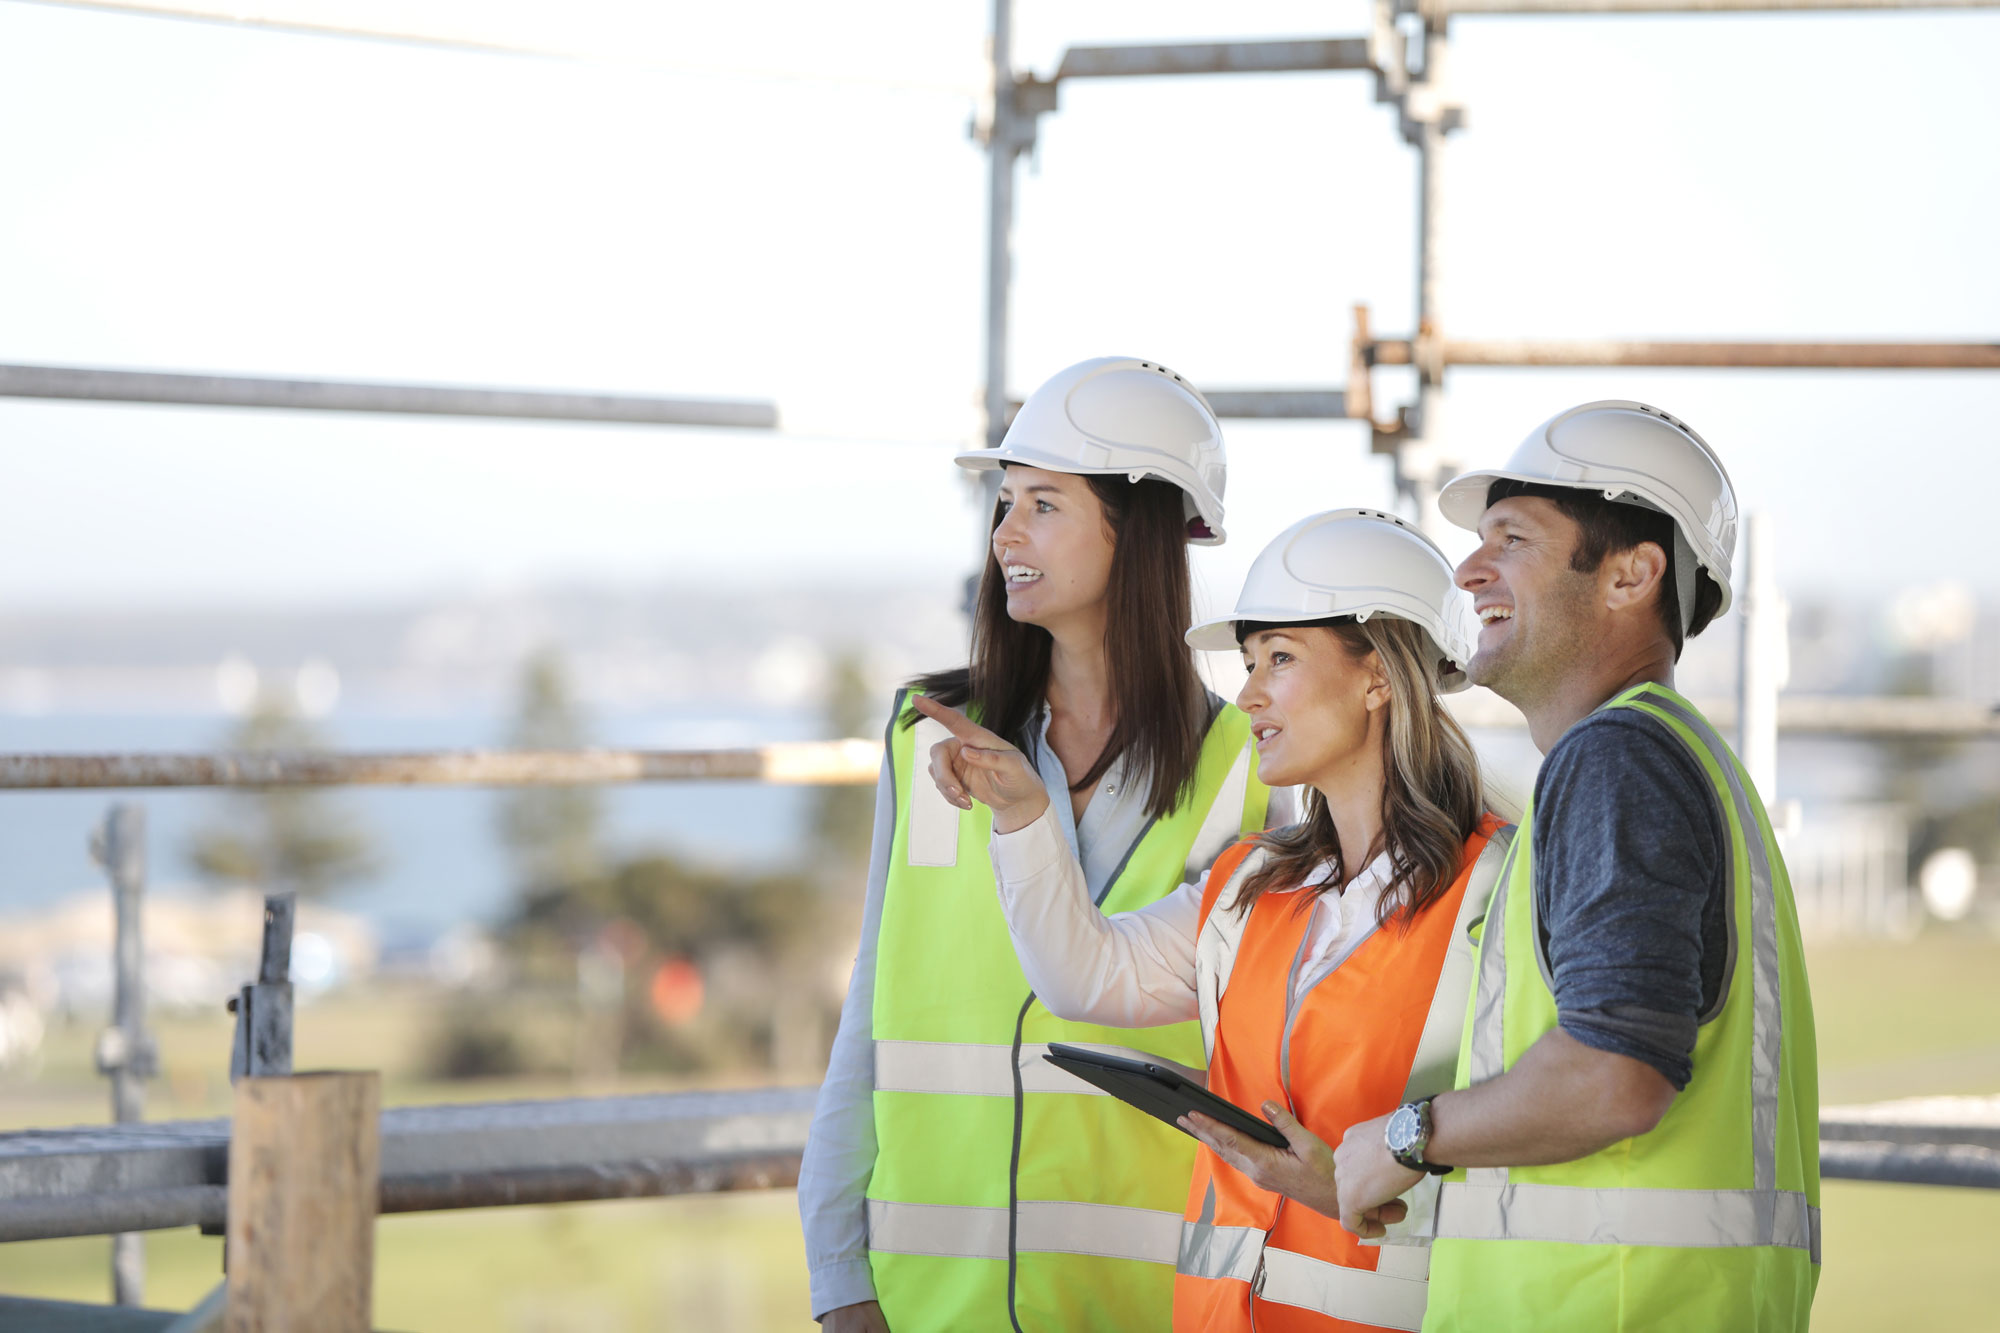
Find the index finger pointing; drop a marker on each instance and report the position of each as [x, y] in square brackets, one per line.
[957, 723]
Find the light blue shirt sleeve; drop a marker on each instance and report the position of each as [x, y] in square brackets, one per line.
[840, 1148]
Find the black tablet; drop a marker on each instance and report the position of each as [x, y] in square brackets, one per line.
[1158, 1090]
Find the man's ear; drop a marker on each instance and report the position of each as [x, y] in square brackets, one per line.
[1632, 578]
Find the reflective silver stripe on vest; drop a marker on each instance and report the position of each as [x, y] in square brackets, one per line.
[1436, 1060]
[971, 1069]
[1353, 1294]
[933, 839]
[1386, 1300]
[949, 1231]
[1100, 1229]
[1489, 1007]
[1215, 949]
[1767, 1009]
[1219, 1252]
[1223, 824]
[1672, 1217]
[936, 1228]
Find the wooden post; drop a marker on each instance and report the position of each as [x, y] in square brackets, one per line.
[305, 1180]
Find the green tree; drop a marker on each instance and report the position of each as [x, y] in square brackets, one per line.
[553, 833]
[295, 840]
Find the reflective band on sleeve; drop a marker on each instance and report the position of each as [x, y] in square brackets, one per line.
[938, 1229]
[933, 819]
[1767, 1006]
[1219, 1252]
[1100, 1229]
[969, 1069]
[1223, 824]
[1670, 1217]
[1353, 1294]
[1437, 1049]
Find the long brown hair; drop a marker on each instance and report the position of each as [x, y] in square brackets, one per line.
[1160, 705]
[1431, 795]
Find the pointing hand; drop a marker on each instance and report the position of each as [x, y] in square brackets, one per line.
[976, 765]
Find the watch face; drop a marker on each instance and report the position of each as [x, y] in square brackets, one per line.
[1401, 1131]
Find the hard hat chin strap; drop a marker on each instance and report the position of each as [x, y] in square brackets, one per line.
[1686, 571]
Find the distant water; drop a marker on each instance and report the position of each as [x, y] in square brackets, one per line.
[441, 857]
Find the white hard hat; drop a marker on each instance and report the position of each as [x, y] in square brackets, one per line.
[1117, 414]
[1359, 563]
[1633, 453]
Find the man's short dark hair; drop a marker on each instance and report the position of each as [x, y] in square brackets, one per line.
[1609, 527]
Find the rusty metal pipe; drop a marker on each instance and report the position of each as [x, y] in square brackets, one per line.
[1446, 7]
[1106, 62]
[1737, 355]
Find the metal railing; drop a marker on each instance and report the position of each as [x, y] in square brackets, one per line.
[125, 1178]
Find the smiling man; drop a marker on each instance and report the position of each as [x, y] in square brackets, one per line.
[1632, 1141]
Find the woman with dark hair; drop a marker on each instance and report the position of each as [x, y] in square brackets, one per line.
[1328, 962]
[954, 1180]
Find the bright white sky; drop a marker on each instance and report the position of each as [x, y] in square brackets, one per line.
[187, 196]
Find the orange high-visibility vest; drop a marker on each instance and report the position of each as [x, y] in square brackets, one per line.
[1363, 1038]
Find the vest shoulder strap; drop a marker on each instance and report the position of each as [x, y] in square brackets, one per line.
[1436, 1059]
[1219, 935]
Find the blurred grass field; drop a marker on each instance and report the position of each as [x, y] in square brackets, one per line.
[1895, 1020]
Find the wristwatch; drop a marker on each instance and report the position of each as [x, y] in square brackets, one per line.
[1408, 1133]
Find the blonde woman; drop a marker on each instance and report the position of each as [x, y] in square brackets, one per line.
[1328, 962]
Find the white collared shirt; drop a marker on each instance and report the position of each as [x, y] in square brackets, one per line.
[1137, 969]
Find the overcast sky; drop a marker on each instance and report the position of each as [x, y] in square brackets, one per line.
[778, 200]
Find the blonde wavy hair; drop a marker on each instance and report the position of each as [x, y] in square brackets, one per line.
[1433, 794]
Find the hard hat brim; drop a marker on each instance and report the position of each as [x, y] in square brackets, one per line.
[1463, 503]
[989, 460]
[1219, 636]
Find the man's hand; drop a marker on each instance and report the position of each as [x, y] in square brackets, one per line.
[1303, 1170]
[976, 765]
[1372, 1181]
[863, 1317]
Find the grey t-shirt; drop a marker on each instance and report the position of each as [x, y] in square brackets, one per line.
[1631, 882]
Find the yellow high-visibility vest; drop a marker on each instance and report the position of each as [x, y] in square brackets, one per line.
[1710, 1220]
[1006, 1193]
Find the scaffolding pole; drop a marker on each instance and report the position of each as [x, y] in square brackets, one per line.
[1720, 355]
[88, 384]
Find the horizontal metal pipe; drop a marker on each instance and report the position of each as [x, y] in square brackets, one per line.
[1267, 404]
[1301, 404]
[207, 1205]
[577, 1184]
[96, 1180]
[1442, 7]
[107, 1214]
[134, 386]
[1108, 62]
[822, 763]
[1737, 355]
[1961, 1164]
[1801, 715]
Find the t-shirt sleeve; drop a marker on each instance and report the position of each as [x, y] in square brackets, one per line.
[1629, 851]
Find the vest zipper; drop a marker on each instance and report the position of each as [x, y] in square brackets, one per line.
[1014, 1167]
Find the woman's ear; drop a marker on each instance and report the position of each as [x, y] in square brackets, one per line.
[1379, 690]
